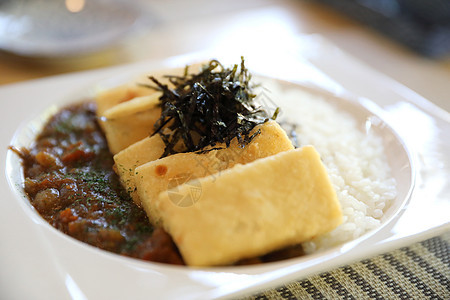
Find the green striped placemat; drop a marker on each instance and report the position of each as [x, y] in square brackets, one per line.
[420, 271]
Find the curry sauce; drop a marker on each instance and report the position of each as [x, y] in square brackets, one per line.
[69, 179]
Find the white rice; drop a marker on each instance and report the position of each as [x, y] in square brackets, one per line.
[354, 159]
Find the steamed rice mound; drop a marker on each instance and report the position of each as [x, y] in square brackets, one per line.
[355, 161]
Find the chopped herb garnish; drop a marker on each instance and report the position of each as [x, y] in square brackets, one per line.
[213, 106]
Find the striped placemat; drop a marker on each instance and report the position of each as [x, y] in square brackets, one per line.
[420, 271]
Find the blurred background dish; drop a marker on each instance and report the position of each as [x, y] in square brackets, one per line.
[174, 27]
[62, 28]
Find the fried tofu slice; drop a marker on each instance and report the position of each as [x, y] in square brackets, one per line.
[159, 175]
[129, 122]
[253, 209]
[111, 97]
[127, 160]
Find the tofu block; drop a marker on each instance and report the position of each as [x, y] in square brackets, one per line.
[171, 171]
[126, 161]
[111, 97]
[129, 122]
[250, 210]
[168, 172]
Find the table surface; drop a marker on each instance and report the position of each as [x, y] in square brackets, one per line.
[187, 26]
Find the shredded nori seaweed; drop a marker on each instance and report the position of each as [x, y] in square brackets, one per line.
[211, 107]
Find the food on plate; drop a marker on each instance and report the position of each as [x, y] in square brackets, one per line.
[252, 209]
[128, 122]
[156, 176]
[354, 157]
[126, 161]
[190, 168]
[272, 140]
[108, 98]
[208, 127]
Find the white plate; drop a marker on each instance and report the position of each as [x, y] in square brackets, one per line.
[55, 266]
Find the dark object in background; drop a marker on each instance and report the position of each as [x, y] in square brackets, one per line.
[422, 25]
